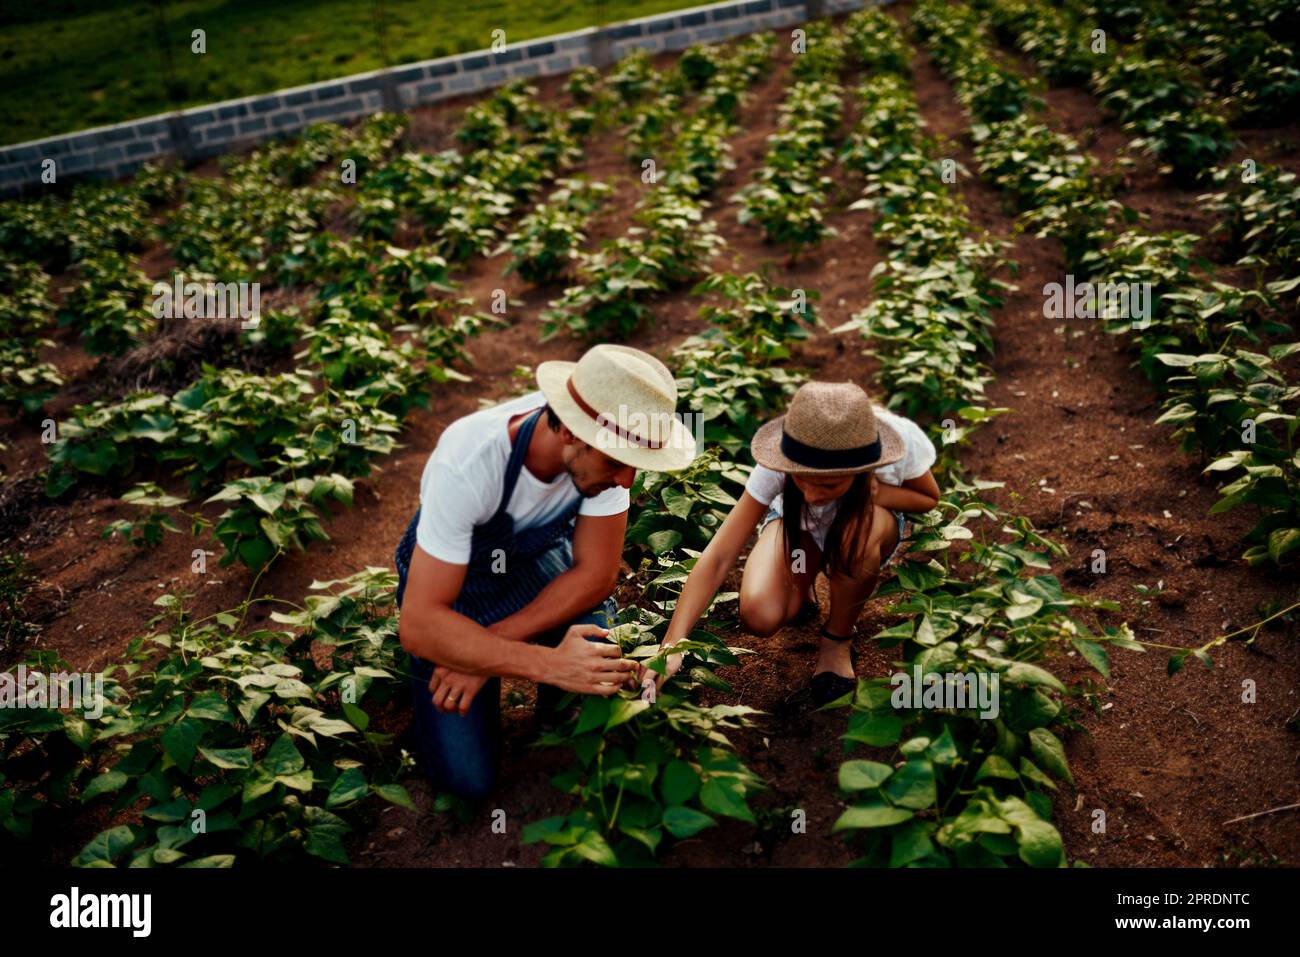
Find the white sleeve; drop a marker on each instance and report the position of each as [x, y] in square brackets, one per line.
[612, 501]
[764, 484]
[918, 452]
[451, 504]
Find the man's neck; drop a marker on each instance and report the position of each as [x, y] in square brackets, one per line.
[545, 456]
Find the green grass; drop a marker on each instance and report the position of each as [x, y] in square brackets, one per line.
[72, 64]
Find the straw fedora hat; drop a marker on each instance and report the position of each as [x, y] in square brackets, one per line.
[830, 428]
[621, 401]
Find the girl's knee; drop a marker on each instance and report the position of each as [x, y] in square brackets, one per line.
[762, 618]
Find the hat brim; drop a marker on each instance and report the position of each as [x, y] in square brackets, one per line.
[766, 449]
[675, 453]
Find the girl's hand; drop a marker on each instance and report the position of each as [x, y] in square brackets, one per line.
[651, 680]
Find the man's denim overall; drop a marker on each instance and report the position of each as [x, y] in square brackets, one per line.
[462, 754]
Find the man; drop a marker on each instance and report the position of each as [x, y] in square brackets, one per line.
[507, 567]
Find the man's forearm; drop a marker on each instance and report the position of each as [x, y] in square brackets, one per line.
[452, 640]
[567, 596]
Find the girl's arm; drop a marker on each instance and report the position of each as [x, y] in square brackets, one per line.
[915, 495]
[711, 568]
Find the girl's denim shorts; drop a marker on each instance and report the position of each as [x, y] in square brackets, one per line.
[900, 517]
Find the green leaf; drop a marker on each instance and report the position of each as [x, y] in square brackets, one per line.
[1050, 753]
[79, 731]
[209, 706]
[663, 541]
[552, 830]
[349, 786]
[359, 719]
[325, 835]
[910, 843]
[726, 796]
[872, 814]
[996, 766]
[595, 713]
[707, 678]
[1021, 672]
[1040, 843]
[879, 731]
[228, 758]
[395, 794]
[1031, 771]
[682, 822]
[677, 502]
[181, 741]
[283, 757]
[624, 710]
[925, 633]
[943, 750]
[1094, 654]
[106, 783]
[1281, 541]
[269, 500]
[594, 848]
[913, 785]
[863, 775]
[1025, 607]
[105, 847]
[679, 783]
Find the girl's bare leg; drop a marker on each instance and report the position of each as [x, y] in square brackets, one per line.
[769, 594]
[850, 592]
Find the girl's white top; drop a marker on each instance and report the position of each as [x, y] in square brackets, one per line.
[765, 485]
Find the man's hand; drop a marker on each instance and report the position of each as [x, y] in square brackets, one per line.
[453, 691]
[457, 688]
[588, 667]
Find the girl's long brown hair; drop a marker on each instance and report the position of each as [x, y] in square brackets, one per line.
[855, 506]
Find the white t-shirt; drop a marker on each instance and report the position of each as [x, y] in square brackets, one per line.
[465, 476]
[765, 485]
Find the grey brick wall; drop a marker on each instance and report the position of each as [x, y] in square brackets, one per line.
[111, 151]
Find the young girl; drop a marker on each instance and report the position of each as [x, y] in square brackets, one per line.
[834, 478]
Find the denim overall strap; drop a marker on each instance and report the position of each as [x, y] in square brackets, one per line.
[515, 464]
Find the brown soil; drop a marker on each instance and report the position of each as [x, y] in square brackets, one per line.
[1169, 759]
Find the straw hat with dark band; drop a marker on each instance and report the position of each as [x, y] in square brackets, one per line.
[830, 428]
[621, 401]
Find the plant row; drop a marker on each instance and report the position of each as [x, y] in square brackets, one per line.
[672, 241]
[1151, 90]
[945, 780]
[1205, 344]
[789, 192]
[226, 743]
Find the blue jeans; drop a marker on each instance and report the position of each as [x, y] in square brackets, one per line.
[462, 753]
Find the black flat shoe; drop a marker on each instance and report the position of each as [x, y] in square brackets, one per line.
[827, 686]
